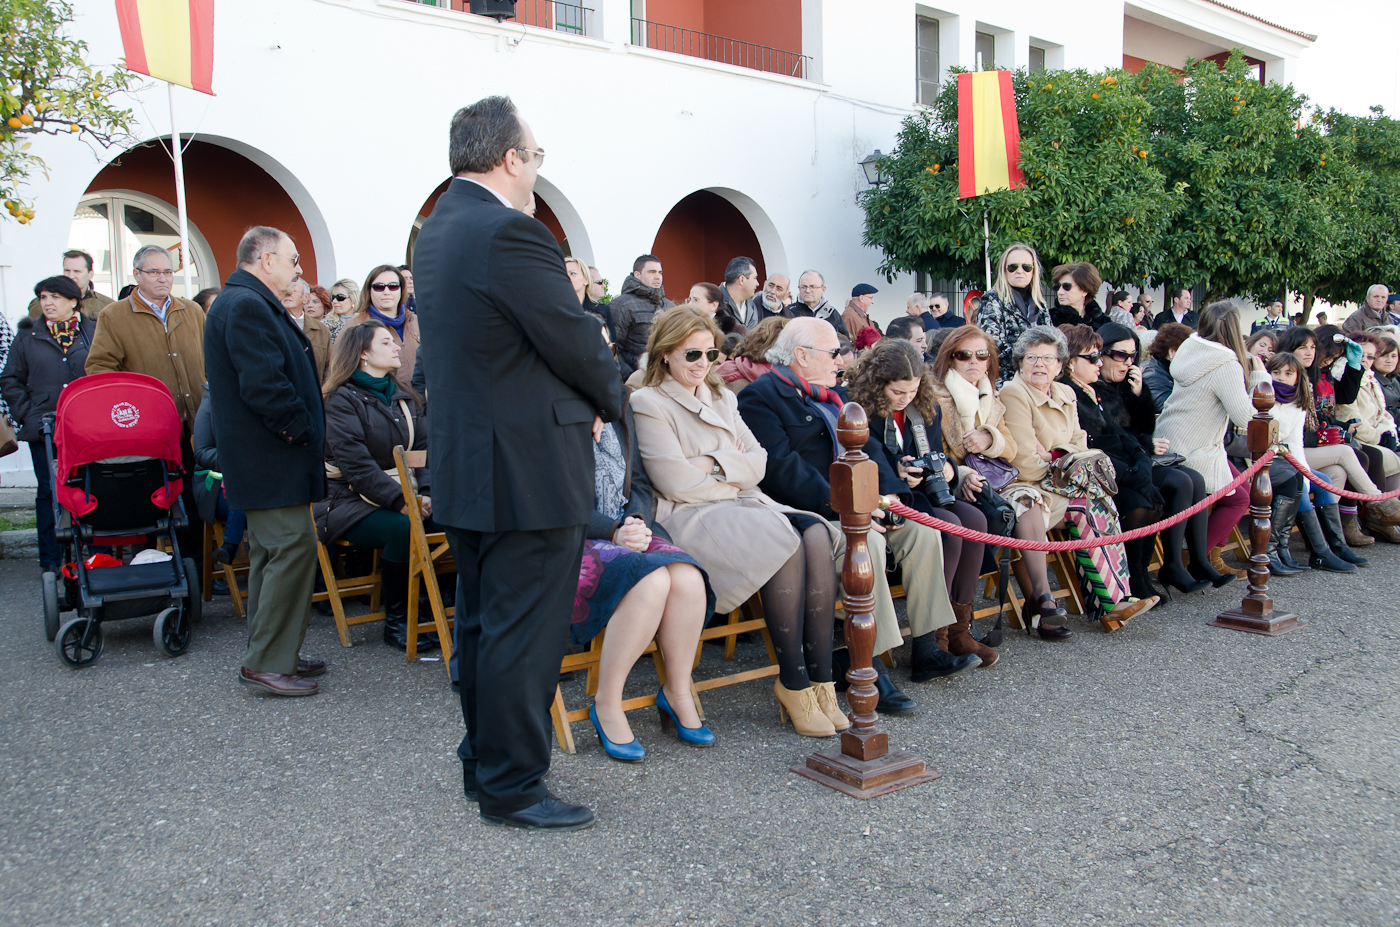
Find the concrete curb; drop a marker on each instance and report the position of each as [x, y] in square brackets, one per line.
[19, 545]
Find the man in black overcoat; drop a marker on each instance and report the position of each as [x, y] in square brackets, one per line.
[521, 382]
[271, 428]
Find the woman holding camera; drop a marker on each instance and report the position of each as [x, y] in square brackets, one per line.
[890, 382]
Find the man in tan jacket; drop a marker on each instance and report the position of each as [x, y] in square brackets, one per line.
[162, 336]
[314, 329]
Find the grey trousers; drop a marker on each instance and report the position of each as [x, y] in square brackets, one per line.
[918, 549]
[281, 576]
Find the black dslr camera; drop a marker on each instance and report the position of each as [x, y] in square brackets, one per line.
[935, 484]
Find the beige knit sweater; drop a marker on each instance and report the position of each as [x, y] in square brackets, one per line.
[1209, 393]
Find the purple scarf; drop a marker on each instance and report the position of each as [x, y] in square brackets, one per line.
[396, 324]
[1285, 392]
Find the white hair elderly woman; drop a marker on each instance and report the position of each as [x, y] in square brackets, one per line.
[1043, 416]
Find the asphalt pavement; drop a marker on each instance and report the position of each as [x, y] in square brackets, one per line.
[1169, 774]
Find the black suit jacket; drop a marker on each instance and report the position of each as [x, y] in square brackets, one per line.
[516, 369]
[800, 449]
[1192, 318]
[266, 399]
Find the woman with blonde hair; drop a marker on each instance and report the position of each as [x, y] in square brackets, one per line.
[345, 296]
[705, 466]
[1014, 304]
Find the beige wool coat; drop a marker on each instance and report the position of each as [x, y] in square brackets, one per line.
[740, 536]
[1053, 421]
[975, 407]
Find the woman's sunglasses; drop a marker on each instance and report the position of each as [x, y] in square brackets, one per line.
[1092, 357]
[1121, 357]
[1066, 286]
[969, 355]
[711, 355]
[381, 287]
[340, 297]
[1028, 268]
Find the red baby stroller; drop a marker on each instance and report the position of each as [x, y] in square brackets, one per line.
[117, 477]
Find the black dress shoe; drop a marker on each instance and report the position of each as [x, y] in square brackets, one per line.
[892, 701]
[840, 666]
[1053, 632]
[309, 666]
[468, 784]
[550, 814]
[929, 661]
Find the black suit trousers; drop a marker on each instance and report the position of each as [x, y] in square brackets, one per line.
[512, 627]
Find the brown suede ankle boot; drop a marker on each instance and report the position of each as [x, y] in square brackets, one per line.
[960, 639]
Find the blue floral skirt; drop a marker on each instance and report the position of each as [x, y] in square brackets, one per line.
[609, 572]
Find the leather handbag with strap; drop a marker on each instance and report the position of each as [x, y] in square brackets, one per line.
[998, 473]
[8, 444]
[1082, 474]
[333, 472]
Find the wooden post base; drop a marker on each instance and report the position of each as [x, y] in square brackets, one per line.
[1271, 625]
[865, 778]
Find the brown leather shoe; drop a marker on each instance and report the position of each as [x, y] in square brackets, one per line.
[1222, 567]
[1351, 530]
[309, 666]
[276, 683]
[1124, 611]
[960, 639]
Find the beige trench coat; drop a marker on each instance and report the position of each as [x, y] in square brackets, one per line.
[1053, 420]
[740, 536]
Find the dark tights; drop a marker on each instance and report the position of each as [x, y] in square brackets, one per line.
[962, 559]
[798, 603]
[1182, 488]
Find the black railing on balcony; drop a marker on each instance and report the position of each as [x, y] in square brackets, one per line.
[718, 48]
[572, 18]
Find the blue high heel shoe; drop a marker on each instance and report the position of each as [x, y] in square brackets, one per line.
[631, 752]
[700, 736]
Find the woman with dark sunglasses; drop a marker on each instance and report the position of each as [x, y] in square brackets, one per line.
[345, 296]
[1117, 411]
[385, 298]
[1016, 303]
[1075, 287]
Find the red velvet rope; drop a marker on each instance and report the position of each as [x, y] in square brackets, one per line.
[996, 540]
[1344, 493]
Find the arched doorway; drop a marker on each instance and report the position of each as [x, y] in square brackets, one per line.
[702, 233]
[112, 225]
[545, 195]
[226, 192]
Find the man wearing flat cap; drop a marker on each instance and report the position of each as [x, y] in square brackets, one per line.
[857, 313]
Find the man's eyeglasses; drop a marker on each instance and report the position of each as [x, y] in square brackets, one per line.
[1028, 268]
[157, 273]
[381, 287]
[1066, 286]
[1092, 357]
[1040, 360]
[694, 355]
[340, 297]
[1121, 357]
[537, 152]
[969, 355]
[833, 353]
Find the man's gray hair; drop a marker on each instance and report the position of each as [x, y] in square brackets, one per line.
[809, 271]
[257, 241]
[305, 286]
[138, 260]
[482, 134]
[918, 299]
[796, 334]
[1377, 286]
[1036, 336]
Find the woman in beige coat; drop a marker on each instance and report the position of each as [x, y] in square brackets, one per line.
[705, 466]
[1043, 417]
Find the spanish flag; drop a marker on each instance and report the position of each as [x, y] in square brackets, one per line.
[989, 140]
[172, 40]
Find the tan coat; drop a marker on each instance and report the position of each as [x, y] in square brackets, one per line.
[409, 343]
[319, 335]
[990, 418]
[91, 306]
[1052, 421]
[130, 338]
[738, 534]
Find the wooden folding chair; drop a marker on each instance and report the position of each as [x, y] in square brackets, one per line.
[1062, 562]
[239, 566]
[340, 588]
[428, 555]
[728, 632]
[589, 660]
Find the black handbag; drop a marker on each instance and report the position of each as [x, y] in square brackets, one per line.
[1169, 459]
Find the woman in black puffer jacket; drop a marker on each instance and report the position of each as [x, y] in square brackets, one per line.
[368, 413]
[1072, 287]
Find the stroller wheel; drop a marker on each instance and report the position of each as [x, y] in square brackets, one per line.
[172, 631]
[79, 642]
[50, 585]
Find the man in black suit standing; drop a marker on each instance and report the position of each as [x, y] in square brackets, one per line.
[521, 382]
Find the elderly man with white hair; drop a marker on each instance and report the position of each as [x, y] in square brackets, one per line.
[1373, 313]
[792, 412]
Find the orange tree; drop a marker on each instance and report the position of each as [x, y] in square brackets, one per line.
[1093, 188]
[47, 87]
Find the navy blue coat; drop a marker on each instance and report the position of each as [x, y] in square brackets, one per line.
[267, 399]
[801, 448]
[516, 369]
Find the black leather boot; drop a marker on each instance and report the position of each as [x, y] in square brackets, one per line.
[1285, 511]
[1321, 557]
[1330, 518]
[929, 661]
[393, 596]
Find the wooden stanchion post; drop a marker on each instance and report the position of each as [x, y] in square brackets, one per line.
[862, 766]
[1256, 612]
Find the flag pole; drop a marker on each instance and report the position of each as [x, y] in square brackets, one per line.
[987, 250]
[180, 194]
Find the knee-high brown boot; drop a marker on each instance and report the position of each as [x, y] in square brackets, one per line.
[960, 639]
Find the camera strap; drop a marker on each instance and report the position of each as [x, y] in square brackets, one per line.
[915, 423]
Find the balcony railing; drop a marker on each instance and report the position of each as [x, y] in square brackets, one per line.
[572, 18]
[718, 48]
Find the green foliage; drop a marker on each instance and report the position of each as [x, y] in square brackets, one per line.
[47, 86]
[1201, 176]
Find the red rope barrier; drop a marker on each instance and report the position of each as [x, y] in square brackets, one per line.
[996, 540]
[1320, 483]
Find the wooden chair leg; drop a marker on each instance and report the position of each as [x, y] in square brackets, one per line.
[731, 642]
[337, 607]
[411, 651]
[595, 649]
[562, 733]
[234, 593]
